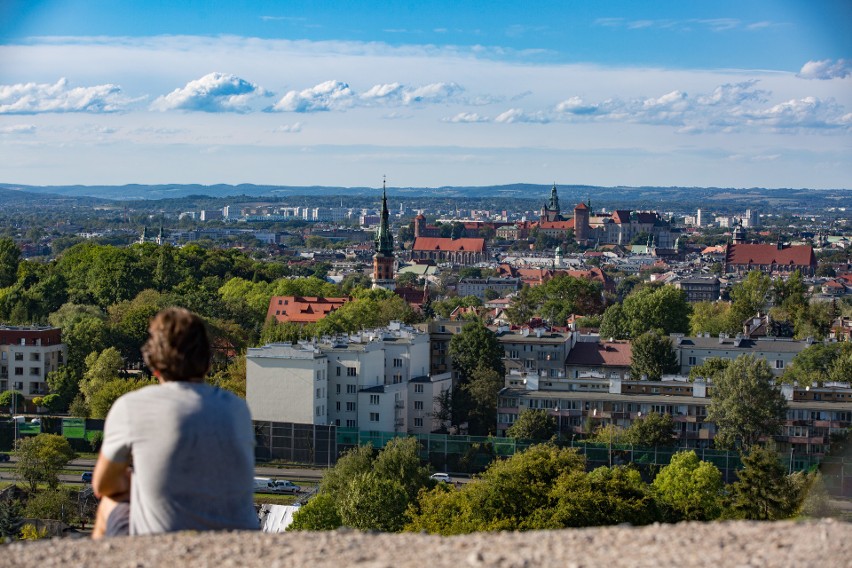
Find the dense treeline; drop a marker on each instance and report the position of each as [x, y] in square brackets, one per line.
[547, 487]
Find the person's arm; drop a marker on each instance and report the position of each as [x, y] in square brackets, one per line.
[111, 479]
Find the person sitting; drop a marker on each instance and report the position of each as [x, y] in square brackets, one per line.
[178, 455]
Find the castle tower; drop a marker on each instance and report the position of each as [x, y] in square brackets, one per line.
[383, 259]
[558, 258]
[551, 211]
[160, 238]
[419, 226]
[739, 235]
[581, 222]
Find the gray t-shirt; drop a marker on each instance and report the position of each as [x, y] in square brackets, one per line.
[193, 457]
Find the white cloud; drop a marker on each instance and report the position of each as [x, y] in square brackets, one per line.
[467, 117]
[33, 98]
[385, 91]
[809, 112]
[690, 24]
[399, 94]
[18, 129]
[290, 128]
[432, 93]
[215, 92]
[330, 95]
[576, 105]
[826, 69]
[734, 94]
[518, 115]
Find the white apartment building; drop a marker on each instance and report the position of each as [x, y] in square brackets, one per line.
[374, 380]
[27, 355]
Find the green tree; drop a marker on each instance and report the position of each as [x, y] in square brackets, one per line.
[10, 257]
[100, 368]
[816, 364]
[41, 458]
[651, 430]
[763, 491]
[318, 514]
[748, 298]
[689, 489]
[711, 317]
[533, 424]
[53, 403]
[373, 502]
[11, 519]
[653, 355]
[710, 369]
[13, 400]
[399, 461]
[481, 390]
[745, 405]
[522, 307]
[103, 397]
[335, 481]
[54, 504]
[232, 377]
[474, 347]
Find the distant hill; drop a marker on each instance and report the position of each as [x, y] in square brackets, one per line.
[629, 197]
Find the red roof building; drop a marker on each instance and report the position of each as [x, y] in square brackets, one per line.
[599, 359]
[466, 251]
[770, 258]
[302, 309]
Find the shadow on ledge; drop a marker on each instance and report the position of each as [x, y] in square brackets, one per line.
[825, 543]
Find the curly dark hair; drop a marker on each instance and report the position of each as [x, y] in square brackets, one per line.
[177, 347]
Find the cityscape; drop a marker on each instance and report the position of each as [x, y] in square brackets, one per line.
[468, 279]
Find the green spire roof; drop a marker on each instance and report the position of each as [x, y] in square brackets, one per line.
[384, 238]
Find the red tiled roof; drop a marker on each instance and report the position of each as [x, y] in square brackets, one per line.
[745, 254]
[580, 206]
[437, 243]
[615, 354]
[621, 216]
[302, 309]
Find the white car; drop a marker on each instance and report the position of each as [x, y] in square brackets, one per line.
[445, 477]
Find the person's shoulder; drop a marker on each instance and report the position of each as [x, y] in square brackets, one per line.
[143, 393]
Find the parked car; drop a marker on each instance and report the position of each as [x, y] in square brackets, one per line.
[86, 477]
[267, 485]
[445, 477]
[4, 457]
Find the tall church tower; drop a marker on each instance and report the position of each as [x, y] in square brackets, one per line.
[383, 259]
[551, 211]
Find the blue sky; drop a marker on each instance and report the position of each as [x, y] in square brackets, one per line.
[736, 94]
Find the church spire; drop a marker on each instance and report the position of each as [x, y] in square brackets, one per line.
[384, 238]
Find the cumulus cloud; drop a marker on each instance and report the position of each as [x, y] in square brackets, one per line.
[399, 94]
[330, 95]
[215, 92]
[33, 98]
[518, 115]
[826, 69]
[809, 112]
[467, 117]
[576, 105]
[735, 94]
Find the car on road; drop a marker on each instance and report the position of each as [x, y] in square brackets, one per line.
[86, 477]
[445, 477]
[4, 457]
[267, 485]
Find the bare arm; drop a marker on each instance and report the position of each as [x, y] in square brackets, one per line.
[111, 479]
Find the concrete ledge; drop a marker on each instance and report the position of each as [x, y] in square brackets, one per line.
[826, 544]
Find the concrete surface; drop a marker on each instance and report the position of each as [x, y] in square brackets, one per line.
[826, 544]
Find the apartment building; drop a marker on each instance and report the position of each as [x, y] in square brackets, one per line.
[778, 352]
[375, 380]
[27, 355]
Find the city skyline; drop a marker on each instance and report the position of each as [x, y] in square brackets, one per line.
[431, 94]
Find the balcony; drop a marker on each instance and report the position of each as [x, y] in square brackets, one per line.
[399, 404]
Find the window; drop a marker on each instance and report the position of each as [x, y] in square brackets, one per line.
[338, 407]
[779, 363]
[374, 399]
[351, 389]
[19, 371]
[418, 388]
[337, 422]
[19, 356]
[397, 362]
[691, 361]
[319, 393]
[351, 371]
[338, 389]
[35, 356]
[374, 417]
[350, 407]
[418, 405]
[418, 422]
[350, 424]
[35, 371]
[338, 371]
[397, 378]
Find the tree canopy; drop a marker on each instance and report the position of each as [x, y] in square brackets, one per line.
[652, 356]
[649, 307]
[745, 404]
[533, 424]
